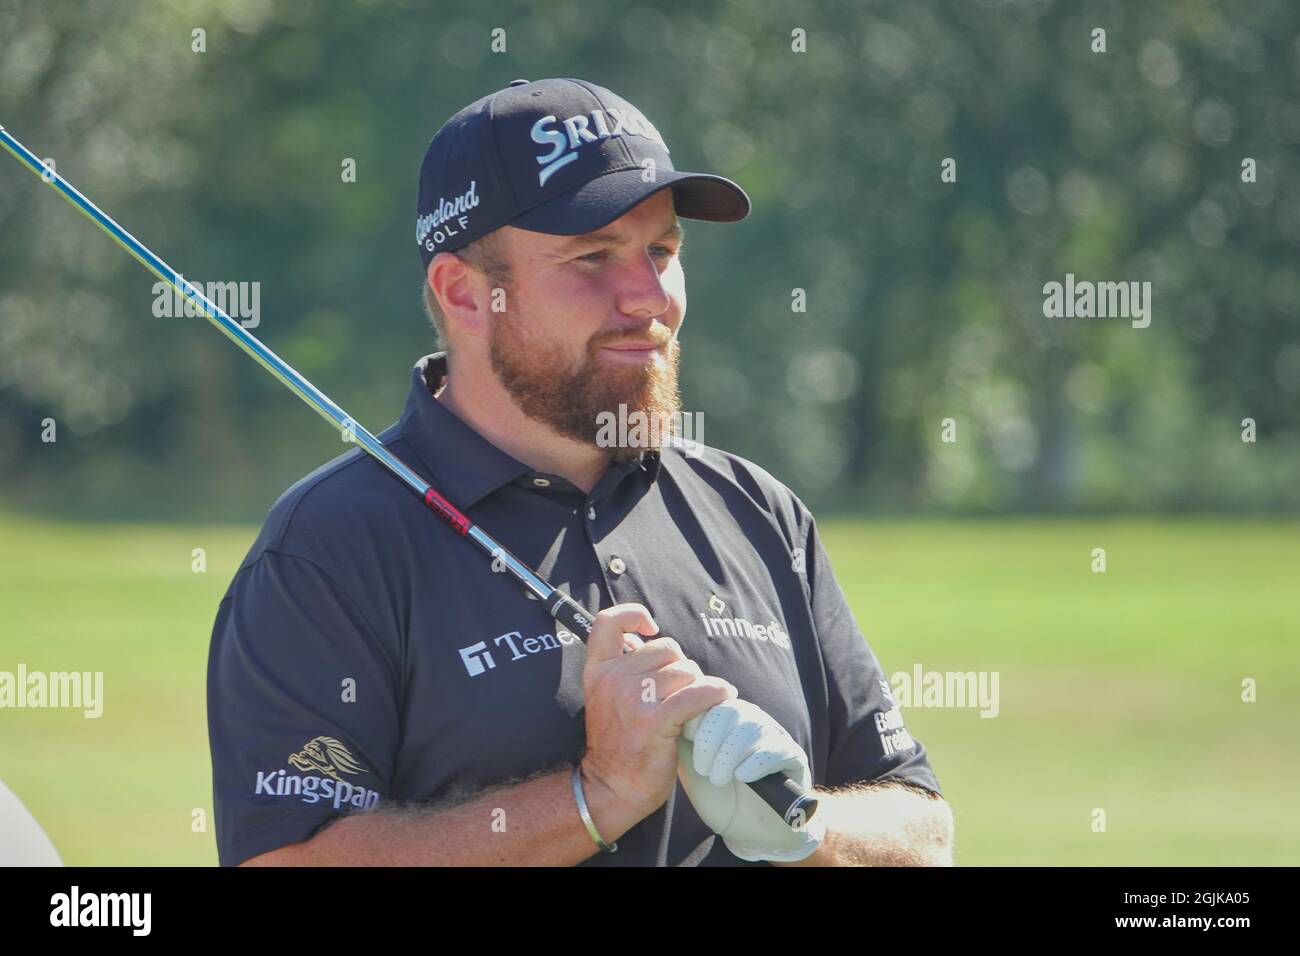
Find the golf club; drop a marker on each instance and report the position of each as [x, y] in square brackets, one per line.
[787, 797]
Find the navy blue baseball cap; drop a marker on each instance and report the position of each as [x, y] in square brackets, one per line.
[559, 156]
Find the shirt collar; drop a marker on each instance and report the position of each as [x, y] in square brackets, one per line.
[465, 465]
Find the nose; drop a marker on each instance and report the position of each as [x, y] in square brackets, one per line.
[641, 288]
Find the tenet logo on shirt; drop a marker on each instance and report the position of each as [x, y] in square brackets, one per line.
[478, 659]
[327, 757]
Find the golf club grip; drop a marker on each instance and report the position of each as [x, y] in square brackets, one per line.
[787, 797]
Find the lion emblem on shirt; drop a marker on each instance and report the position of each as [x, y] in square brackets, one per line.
[326, 755]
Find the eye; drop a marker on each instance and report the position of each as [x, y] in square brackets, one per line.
[662, 251]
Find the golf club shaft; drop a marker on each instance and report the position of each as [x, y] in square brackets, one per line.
[785, 796]
[566, 611]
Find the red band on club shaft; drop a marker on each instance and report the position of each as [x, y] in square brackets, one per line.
[446, 511]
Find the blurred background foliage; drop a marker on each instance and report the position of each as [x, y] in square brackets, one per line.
[924, 297]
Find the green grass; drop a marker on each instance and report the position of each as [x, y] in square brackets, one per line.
[1119, 691]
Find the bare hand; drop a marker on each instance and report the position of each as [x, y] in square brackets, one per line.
[639, 693]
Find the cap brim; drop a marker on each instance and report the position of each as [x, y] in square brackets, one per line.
[602, 200]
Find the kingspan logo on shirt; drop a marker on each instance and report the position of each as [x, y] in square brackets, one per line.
[723, 624]
[323, 759]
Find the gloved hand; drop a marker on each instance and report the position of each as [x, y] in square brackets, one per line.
[729, 745]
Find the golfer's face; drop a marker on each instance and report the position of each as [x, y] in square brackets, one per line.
[615, 297]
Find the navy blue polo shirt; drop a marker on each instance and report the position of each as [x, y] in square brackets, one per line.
[365, 654]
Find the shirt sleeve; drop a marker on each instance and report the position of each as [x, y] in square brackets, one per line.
[303, 707]
[868, 741]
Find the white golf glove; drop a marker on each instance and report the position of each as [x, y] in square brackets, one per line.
[731, 744]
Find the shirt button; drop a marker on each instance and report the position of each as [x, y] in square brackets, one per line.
[616, 565]
[591, 513]
[542, 482]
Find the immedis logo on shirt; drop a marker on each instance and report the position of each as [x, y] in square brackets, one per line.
[323, 759]
[724, 624]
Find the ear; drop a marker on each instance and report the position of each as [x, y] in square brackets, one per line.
[461, 292]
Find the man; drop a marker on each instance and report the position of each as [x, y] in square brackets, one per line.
[378, 695]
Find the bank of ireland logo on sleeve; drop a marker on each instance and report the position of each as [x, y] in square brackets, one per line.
[894, 737]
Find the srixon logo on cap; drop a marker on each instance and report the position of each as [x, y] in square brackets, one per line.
[586, 128]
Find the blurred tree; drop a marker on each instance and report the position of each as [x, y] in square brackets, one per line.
[924, 296]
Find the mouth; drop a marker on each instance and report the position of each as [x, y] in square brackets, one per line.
[635, 352]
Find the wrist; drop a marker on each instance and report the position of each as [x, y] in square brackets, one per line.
[612, 815]
[822, 855]
[813, 850]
